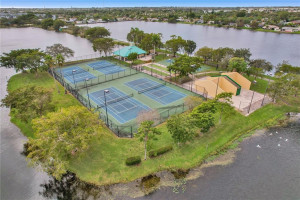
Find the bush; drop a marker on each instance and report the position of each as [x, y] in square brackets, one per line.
[133, 160]
[180, 80]
[160, 151]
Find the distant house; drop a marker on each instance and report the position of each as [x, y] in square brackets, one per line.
[296, 22]
[290, 29]
[271, 27]
[247, 26]
[91, 21]
[180, 19]
[124, 52]
[210, 22]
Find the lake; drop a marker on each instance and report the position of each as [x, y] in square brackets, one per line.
[274, 47]
[266, 173]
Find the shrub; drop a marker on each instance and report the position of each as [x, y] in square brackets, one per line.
[133, 160]
[160, 151]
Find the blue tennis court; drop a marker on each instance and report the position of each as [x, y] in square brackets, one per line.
[156, 91]
[119, 105]
[106, 67]
[76, 73]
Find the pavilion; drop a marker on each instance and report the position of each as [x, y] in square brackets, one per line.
[124, 52]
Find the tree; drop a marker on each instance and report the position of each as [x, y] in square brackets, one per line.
[284, 86]
[156, 41]
[243, 53]
[132, 57]
[203, 115]
[190, 47]
[9, 60]
[50, 63]
[105, 45]
[185, 65]
[61, 135]
[285, 67]
[208, 106]
[146, 42]
[181, 128]
[204, 121]
[260, 66]
[32, 61]
[237, 64]
[60, 60]
[75, 30]
[205, 53]
[254, 24]
[175, 44]
[57, 24]
[57, 49]
[96, 32]
[146, 133]
[28, 102]
[135, 35]
[224, 97]
[46, 23]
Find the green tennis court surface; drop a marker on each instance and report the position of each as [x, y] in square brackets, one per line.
[130, 93]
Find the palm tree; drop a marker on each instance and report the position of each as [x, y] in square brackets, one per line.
[156, 40]
[60, 60]
[50, 62]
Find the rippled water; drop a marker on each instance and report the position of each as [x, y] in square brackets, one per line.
[269, 172]
[273, 47]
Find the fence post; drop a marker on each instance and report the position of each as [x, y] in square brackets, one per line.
[131, 131]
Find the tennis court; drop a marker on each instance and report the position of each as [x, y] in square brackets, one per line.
[166, 62]
[120, 106]
[106, 67]
[156, 91]
[76, 74]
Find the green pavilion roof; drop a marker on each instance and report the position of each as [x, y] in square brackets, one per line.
[124, 52]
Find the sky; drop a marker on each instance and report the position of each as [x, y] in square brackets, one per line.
[146, 3]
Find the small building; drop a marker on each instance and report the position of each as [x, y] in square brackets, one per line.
[290, 29]
[124, 52]
[272, 27]
[210, 22]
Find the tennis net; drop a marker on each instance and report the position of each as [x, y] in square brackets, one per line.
[102, 66]
[151, 88]
[116, 100]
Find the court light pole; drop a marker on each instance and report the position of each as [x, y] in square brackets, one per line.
[74, 70]
[87, 91]
[106, 91]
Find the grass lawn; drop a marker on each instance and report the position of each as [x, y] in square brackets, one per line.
[155, 71]
[159, 67]
[59, 100]
[160, 57]
[104, 162]
[260, 86]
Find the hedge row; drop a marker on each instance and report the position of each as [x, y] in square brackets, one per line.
[160, 151]
[133, 160]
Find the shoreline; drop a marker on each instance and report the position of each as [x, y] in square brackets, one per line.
[188, 23]
[177, 180]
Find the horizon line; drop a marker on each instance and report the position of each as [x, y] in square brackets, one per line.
[157, 7]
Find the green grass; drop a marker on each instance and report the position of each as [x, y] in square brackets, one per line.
[159, 67]
[155, 71]
[161, 57]
[60, 100]
[104, 161]
[260, 86]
